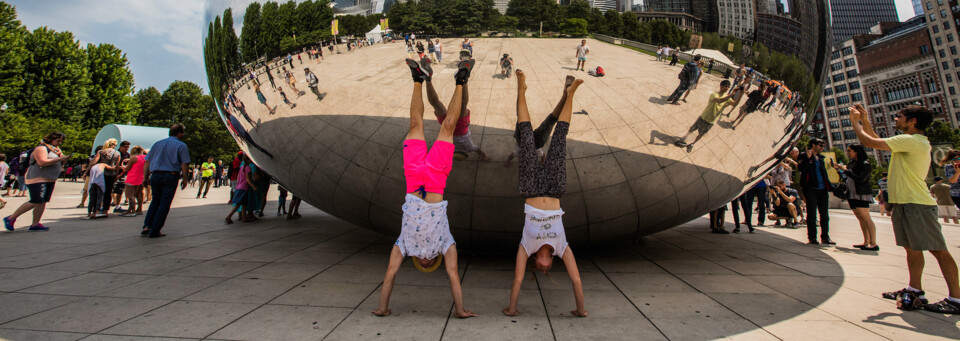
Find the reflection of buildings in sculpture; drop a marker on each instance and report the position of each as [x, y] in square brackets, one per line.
[851, 17]
[766, 6]
[706, 10]
[945, 42]
[684, 21]
[679, 6]
[814, 42]
[737, 18]
[779, 33]
[899, 69]
[841, 88]
[501, 6]
[362, 7]
[917, 7]
[604, 5]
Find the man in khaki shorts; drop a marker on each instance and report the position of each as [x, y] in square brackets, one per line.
[915, 224]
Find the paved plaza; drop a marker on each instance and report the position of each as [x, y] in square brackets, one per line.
[319, 278]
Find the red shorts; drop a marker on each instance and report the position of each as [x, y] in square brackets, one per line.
[463, 123]
[427, 169]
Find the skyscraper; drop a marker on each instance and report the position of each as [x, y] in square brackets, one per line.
[917, 7]
[851, 17]
[682, 6]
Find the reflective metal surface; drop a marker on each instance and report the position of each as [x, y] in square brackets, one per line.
[339, 148]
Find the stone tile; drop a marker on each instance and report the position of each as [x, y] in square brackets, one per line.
[523, 327]
[765, 309]
[217, 268]
[256, 255]
[600, 304]
[88, 284]
[725, 284]
[34, 260]
[693, 267]
[201, 253]
[183, 319]
[285, 271]
[807, 330]
[89, 263]
[328, 294]
[103, 337]
[16, 280]
[701, 328]
[604, 328]
[243, 290]
[352, 274]
[310, 257]
[678, 305]
[164, 287]
[645, 282]
[362, 325]
[556, 280]
[278, 322]
[30, 335]
[152, 266]
[17, 305]
[88, 315]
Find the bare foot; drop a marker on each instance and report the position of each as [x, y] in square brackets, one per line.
[568, 81]
[521, 80]
[573, 87]
[381, 312]
[508, 312]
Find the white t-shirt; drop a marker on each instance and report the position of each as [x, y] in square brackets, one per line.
[666, 50]
[582, 51]
[543, 227]
[425, 231]
[464, 144]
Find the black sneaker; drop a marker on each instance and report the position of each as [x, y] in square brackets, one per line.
[463, 72]
[680, 144]
[425, 65]
[416, 71]
[946, 306]
[893, 294]
[736, 230]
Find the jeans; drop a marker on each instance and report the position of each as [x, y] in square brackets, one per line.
[96, 199]
[761, 195]
[741, 202]
[164, 186]
[675, 96]
[108, 181]
[817, 201]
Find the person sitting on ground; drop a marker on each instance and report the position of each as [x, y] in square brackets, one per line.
[425, 231]
[506, 65]
[462, 141]
[945, 208]
[784, 204]
[542, 132]
[709, 117]
[542, 186]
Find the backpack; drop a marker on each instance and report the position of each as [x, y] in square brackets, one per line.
[24, 160]
[600, 72]
[685, 72]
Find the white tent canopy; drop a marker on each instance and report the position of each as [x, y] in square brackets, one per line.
[713, 54]
[376, 34]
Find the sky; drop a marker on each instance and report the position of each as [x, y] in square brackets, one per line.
[162, 38]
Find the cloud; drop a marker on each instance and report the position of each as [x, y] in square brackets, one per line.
[175, 24]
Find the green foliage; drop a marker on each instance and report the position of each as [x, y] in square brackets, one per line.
[574, 27]
[22, 133]
[12, 53]
[147, 100]
[613, 23]
[184, 102]
[56, 78]
[250, 33]
[941, 132]
[508, 25]
[531, 13]
[111, 84]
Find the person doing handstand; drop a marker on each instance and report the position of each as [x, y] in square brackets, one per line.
[425, 231]
[542, 186]
[542, 132]
[462, 142]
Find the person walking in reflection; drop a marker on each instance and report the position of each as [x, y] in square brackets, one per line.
[45, 162]
[263, 99]
[439, 51]
[915, 224]
[951, 175]
[816, 185]
[164, 166]
[312, 82]
[686, 76]
[582, 51]
[860, 193]
[425, 231]
[542, 186]
[945, 208]
[709, 117]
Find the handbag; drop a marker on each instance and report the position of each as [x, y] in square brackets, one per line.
[840, 190]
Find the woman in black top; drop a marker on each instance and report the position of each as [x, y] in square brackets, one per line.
[754, 99]
[860, 193]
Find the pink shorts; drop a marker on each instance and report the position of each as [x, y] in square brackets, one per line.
[463, 123]
[427, 169]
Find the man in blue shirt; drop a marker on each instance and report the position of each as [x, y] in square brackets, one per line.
[815, 185]
[166, 163]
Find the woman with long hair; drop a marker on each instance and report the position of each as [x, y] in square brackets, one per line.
[134, 182]
[860, 193]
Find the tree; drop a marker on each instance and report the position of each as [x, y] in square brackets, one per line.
[147, 100]
[55, 76]
[508, 25]
[12, 53]
[614, 23]
[111, 84]
[631, 26]
[184, 102]
[250, 33]
[270, 31]
[575, 27]
[941, 132]
[577, 9]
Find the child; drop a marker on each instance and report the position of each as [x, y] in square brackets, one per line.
[709, 116]
[244, 186]
[282, 201]
[716, 220]
[945, 207]
[283, 96]
[544, 236]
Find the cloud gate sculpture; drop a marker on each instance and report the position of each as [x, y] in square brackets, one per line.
[338, 145]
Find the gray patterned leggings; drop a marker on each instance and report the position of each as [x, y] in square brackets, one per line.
[549, 180]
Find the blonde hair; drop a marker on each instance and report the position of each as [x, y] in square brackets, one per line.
[110, 143]
[136, 150]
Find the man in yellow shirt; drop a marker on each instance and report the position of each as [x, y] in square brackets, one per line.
[206, 176]
[710, 115]
[915, 224]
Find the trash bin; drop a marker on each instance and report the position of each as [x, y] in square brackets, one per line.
[726, 74]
